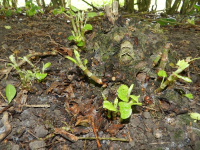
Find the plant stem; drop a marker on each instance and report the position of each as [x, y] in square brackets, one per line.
[111, 139]
[164, 57]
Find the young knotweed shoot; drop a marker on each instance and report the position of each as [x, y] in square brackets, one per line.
[112, 109]
[41, 75]
[182, 65]
[28, 75]
[79, 26]
[83, 66]
[125, 104]
[163, 74]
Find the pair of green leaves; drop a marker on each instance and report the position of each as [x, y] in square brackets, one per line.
[124, 105]
[41, 75]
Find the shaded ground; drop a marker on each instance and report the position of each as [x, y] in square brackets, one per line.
[73, 99]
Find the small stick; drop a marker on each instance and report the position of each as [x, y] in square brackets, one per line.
[111, 139]
[39, 106]
[4, 109]
[91, 5]
[95, 134]
[2, 96]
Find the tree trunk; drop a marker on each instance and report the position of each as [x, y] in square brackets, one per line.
[14, 3]
[143, 5]
[128, 4]
[172, 9]
[187, 6]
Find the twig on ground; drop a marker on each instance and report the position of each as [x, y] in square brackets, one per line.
[111, 139]
[95, 133]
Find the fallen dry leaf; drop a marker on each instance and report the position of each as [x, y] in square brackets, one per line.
[83, 121]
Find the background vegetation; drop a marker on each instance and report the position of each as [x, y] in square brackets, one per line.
[171, 6]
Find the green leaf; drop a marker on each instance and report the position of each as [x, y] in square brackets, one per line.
[80, 43]
[10, 92]
[62, 9]
[101, 14]
[183, 78]
[73, 8]
[191, 21]
[72, 59]
[7, 27]
[46, 65]
[12, 59]
[122, 92]
[71, 37]
[55, 11]
[40, 76]
[91, 14]
[197, 7]
[125, 110]
[134, 98]
[104, 97]
[108, 105]
[8, 13]
[29, 72]
[85, 62]
[190, 96]
[195, 116]
[162, 73]
[70, 12]
[87, 27]
[166, 21]
[182, 64]
[115, 102]
[129, 90]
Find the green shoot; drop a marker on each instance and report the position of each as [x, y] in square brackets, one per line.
[79, 26]
[26, 76]
[182, 65]
[125, 106]
[163, 74]
[126, 103]
[10, 92]
[83, 67]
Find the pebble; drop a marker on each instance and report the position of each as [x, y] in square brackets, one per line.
[39, 145]
[135, 122]
[146, 115]
[157, 134]
[40, 131]
[15, 147]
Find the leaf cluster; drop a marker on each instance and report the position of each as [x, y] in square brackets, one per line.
[127, 101]
[28, 75]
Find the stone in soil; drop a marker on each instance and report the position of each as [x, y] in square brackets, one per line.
[39, 145]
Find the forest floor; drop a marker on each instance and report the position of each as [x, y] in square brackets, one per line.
[67, 98]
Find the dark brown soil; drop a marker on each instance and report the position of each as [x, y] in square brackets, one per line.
[75, 102]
